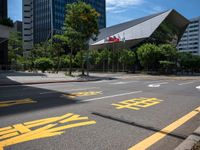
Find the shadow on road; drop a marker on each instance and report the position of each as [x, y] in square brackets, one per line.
[150, 128]
[10, 95]
[12, 92]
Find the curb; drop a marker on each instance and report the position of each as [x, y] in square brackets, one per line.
[32, 83]
[190, 141]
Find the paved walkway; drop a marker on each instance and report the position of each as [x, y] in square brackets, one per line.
[16, 77]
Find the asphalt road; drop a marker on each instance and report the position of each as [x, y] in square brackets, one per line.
[116, 114]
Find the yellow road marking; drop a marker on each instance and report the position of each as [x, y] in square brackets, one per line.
[146, 143]
[16, 102]
[21, 128]
[42, 128]
[82, 94]
[137, 103]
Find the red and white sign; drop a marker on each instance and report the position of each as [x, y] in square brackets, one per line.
[113, 39]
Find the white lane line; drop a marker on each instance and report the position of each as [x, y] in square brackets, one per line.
[153, 81]
[111, 96]
[69, 90]
[198, 87]
[120, 83]
[157, 84]
[186, 83]
[103, 81]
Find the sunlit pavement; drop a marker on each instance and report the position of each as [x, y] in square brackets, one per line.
[118, 114]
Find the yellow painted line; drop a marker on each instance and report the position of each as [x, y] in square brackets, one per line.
[21, 128]
[83, 94]
[16, 102]
[146, 143]
[137, 103]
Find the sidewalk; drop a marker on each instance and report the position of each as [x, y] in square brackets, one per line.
[18, 78]
[190, 142]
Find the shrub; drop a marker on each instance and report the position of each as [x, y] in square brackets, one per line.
[7, 22]
[43, 64]
[167, 66]
[149, 56]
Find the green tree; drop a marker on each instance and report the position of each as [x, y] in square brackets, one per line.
[80, 58]
[65, 61]
[15, 50]
[127, 58]
[92, 57]
[43, 64]
[55, 48]
[39, 51]
[167, 66]
[184, 60]
[81, 25]
[169, 52]
[149, 56]
[169, 58]
[7, 22]
[188, 62]
[104, 57]
[194, 63]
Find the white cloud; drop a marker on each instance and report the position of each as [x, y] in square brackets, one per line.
[117, 6]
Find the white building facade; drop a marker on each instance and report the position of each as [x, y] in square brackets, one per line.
[190, 41]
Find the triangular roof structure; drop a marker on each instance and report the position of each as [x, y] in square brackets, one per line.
[139, 29]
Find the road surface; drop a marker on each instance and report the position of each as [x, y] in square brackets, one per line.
[118, 114]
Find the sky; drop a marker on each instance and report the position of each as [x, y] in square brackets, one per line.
[119, 11]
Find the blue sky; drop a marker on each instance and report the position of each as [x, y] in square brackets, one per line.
[119, 11]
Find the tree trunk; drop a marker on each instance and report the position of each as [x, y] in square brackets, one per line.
[82, 65]
[104, 66]
[118, 60]
[58, 67]
[70, 63]
[113, 64]
[108, 64]
[87, 62]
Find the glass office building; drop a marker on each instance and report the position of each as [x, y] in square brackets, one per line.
[43, 18]
[59, 11]
[3, 9]
[3, 40]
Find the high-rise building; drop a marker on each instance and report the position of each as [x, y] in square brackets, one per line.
[43, 18]
[190, 41]
[18, 26]
[3, 36]
[3, 9]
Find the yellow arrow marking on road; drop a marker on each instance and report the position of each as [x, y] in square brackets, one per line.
[82, 94]
[38, 129]
[16, 102]
[137, 103]
[148, 142]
